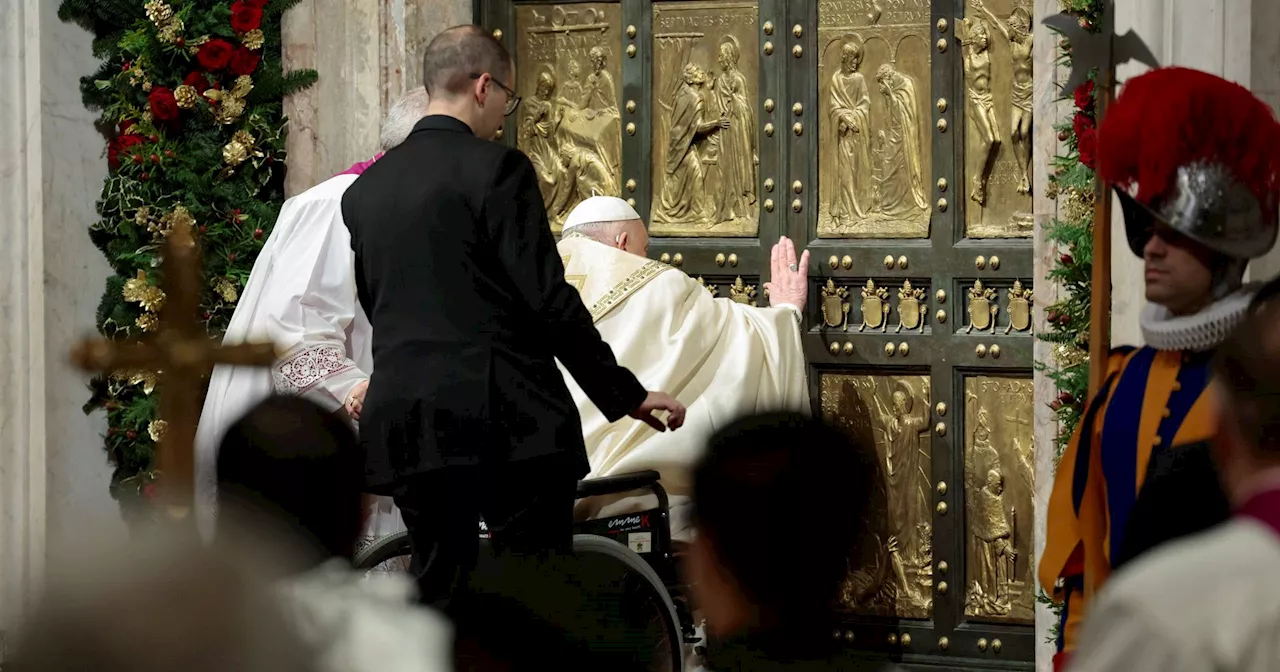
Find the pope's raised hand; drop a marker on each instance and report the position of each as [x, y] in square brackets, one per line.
[656, 402]
[789, 282]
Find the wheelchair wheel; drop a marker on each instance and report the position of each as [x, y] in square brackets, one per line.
[390, 553]
[644, 601]
[646, 598]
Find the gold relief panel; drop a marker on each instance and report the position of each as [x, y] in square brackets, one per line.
[892, 574]
[874, 119]
[999, 467]
[569, 74]
[995, 47]
[706, 147]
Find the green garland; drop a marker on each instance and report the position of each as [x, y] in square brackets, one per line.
[190, 98]
[1073, 184]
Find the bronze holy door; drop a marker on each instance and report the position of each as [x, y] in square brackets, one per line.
[891, 138]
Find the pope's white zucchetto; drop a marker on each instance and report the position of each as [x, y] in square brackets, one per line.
[600, 209]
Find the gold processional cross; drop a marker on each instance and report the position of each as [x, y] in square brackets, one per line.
[182, 353]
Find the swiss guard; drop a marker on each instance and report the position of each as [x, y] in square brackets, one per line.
[1195, 162]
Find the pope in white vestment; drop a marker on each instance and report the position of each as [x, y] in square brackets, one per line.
[301, 295]
[722, 359]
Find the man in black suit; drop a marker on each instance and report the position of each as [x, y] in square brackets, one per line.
[466, 414]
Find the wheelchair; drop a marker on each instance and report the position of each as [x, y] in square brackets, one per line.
[638, 543]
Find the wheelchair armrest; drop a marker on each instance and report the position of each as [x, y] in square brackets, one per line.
[609, 485]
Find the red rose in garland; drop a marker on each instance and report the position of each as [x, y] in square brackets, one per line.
[200, 81]
[163, 106]
[1087, 144]
[245, 16]
[214, 55]
[244, 62]
[255, 3]
[119, 145]
[1084, 97]
[1081, 122]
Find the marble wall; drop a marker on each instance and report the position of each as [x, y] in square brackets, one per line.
[368, 54]
[22, 443]
[74, 167]
[1049, 111]
[53, 472]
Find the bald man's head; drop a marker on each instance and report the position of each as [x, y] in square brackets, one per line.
[458, 54]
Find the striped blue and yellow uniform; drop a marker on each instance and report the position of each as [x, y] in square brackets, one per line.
[1153, 402]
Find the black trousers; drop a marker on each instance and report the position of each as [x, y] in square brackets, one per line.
[527, 506]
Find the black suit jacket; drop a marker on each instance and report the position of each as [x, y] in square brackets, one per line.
[458, 272]
[1181, 495]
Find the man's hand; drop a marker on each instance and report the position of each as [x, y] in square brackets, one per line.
[660, 401]
[789, 281]
[355, 399]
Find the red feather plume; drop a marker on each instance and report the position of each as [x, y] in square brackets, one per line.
[1170, 117]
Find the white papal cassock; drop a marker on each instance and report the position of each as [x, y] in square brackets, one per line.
[720, 358]
[301, 295]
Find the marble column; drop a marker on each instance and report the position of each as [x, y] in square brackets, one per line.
[22, 329]
[1263, 53]
[368, 54]
[1049, 111]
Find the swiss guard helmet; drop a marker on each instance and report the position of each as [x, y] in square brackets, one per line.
[1199, 155]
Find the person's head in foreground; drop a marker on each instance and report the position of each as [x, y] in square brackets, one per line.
[1247, 375]
[611, 221]
[779, 502]
[471, 77]
[291, 470]
[1195, 161]
[159, 603]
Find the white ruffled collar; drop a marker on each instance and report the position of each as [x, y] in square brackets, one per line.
[1202, 331]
